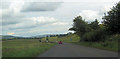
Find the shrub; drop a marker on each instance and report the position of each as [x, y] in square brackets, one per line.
[96, 35]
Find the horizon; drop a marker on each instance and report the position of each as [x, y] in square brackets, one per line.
[35, 35]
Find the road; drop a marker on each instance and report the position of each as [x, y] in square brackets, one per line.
[73, 50]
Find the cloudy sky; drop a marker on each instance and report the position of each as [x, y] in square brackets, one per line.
[37, 17]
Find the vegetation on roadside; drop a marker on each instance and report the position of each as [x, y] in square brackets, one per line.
[64, 38]
[24, 48]
[111, 43]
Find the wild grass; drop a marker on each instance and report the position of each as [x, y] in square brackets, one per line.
[111, 46]
[24, 48]
[109, 43]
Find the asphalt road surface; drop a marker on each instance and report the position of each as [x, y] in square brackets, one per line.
[73, 50]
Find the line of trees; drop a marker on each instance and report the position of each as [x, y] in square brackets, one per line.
[97, 32]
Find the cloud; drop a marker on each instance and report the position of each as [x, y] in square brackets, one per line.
[60, 23]
[11, 14]
[14, 20]
[33, 22]
[10, 17]
[89, 15]
[10, 11]
[106, 8]
[40, 6]
[90, 0]
[4, 5]
[53, 28]
[20, 17]
[35, 25]
[41, 19]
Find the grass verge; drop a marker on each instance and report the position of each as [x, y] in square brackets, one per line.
[110, 43]
[24, 48]
[112, 46]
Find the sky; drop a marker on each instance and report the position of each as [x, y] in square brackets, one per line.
[38, 17]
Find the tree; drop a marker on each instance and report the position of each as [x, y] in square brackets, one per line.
[112, 19]
[94, 25]
[79, 26]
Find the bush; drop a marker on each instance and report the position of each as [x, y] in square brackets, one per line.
[96, 35]
[115, 37]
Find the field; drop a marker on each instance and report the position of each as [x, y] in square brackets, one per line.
[24, 48]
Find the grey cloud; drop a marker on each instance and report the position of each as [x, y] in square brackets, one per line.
[4, 5]
[10, 21]
[11, 17]
[30, 24]
[40, 6]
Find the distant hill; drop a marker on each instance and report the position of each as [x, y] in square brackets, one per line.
[6, 36]
[10, 37]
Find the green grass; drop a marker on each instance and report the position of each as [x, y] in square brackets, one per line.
[110, 43]
[112, 46]
[0, 49]
[24, 48]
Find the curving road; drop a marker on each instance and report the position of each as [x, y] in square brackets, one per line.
[73, 50]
